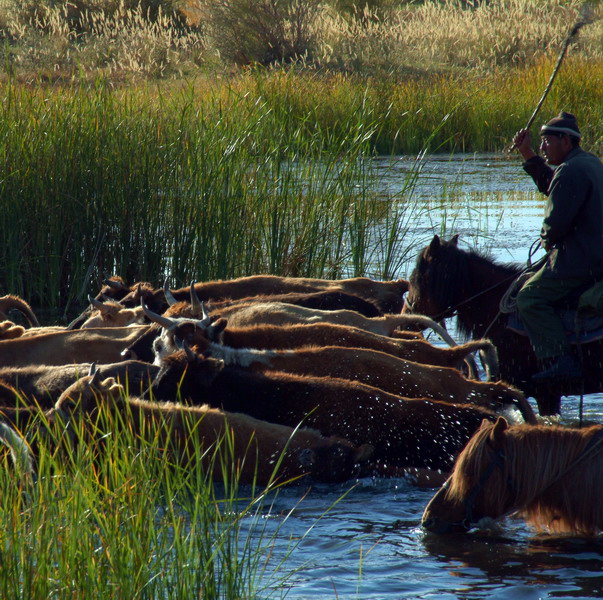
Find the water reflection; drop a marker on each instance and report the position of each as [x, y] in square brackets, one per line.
[558, 567]
[487, 198]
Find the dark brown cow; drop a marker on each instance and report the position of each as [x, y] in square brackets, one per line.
[257, 451]
[404, 432]
[381, 370]
[388, 295]
[328, 300]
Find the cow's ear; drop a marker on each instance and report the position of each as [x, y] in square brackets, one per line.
[496, 435]
[220, 325]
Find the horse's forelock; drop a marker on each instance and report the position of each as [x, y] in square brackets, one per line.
[470, 464]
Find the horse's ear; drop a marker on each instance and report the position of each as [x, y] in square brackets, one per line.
[454, 240]
[497, 431]
[434, 246]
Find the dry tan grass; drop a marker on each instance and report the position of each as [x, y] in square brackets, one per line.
[433, 36]
[441, 35]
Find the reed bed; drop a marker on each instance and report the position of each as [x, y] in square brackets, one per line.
[269, 171]
[112, 516]
[153, 186]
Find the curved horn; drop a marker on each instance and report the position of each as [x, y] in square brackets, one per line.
[116, 285]
[96, 375]
[155, 318]
[138, 290]
[168, 294]
[98, 304]
[196, 304]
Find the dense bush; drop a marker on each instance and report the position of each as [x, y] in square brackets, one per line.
[263, 31]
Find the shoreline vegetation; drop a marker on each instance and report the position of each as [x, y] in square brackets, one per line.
[196, 163]
[187, 141]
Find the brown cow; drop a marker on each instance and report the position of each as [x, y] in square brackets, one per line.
[10, 302]
[112, 314]
[43, 384]
[378, 369]
[102, 345]
[21, 454]
[319, 334]
[280, 313]
[286, 314]
[388, 295]
[260, 452]
[404, 432]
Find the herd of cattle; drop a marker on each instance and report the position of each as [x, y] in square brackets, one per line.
[325, 376]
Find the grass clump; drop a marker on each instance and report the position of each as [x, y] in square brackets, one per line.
[112, 515]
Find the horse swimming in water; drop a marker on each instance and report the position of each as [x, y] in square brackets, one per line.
[551, 476]
[448, 280]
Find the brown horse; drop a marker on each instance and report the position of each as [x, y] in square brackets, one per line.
[448, 280]
[551, 476]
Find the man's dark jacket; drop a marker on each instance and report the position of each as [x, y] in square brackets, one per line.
[573, 219]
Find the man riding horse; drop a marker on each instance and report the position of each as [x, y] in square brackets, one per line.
[572, 235]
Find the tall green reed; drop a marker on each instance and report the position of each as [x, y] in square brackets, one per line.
[268, 172]
[152, 185]
[114, 514]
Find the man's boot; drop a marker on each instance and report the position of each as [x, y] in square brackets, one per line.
[566, 366]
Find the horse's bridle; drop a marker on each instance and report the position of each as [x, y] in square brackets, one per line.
[469, 504]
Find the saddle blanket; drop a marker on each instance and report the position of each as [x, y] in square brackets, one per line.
[588, 328]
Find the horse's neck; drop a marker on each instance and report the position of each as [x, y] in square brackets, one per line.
[482, 293]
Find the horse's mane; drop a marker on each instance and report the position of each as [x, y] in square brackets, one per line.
[450, 275]
[542, 476]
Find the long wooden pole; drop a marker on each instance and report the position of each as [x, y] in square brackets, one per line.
[585, 18]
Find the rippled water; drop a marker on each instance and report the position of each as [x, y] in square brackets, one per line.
[368, 544]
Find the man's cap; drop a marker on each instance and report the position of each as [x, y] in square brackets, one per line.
[564, 123]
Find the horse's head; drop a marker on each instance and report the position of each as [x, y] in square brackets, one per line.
[432, 283]
[468, 496]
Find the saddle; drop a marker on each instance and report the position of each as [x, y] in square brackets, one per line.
[581, 313]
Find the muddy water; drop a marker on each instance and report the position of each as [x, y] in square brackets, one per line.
[363, 539]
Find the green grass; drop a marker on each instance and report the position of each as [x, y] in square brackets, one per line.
[266, 172]
[112, 516]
